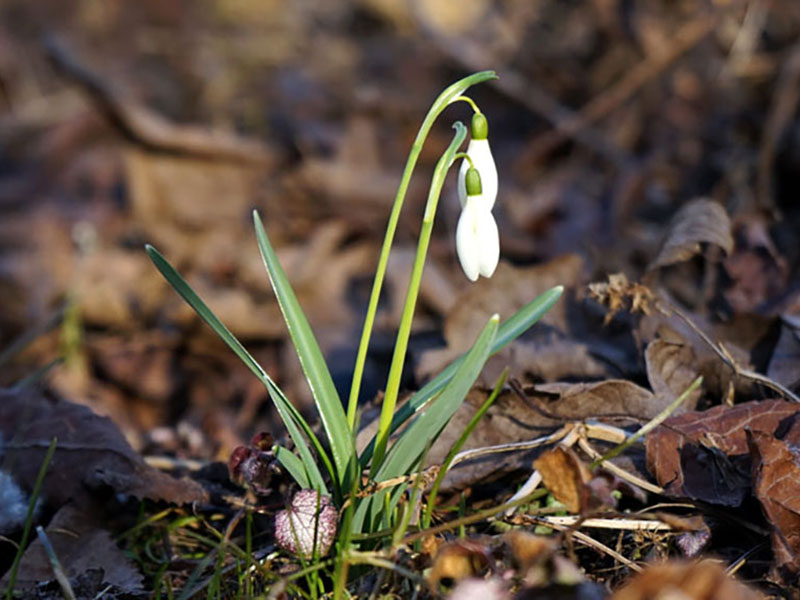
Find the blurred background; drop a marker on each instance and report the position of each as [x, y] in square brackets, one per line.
[125, 123]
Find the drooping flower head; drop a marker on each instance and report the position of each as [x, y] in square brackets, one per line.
[477, 239]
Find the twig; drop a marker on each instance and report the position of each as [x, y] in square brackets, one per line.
[650, 425]
[726, 357]
[586, 540]
[598, 523]
[149, 129]
[618, 471]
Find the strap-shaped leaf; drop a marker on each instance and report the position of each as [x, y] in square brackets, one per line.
[290, 415]
[510, 330]
[407, 450]
[327, 400]
[293, 465]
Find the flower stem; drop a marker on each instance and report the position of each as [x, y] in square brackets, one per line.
[404, 332]
[447, 97]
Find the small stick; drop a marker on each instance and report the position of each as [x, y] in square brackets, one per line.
[601, 523]
[586, 540]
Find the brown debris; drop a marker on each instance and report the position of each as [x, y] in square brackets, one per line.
[704, 580]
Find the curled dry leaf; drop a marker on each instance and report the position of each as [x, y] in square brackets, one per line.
[776, 484]
[566, 477]
[704, 455]
[784, 365]
[705, 580]
[700, 221]
[671, 368]
[613, 398]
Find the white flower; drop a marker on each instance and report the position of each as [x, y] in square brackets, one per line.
[481, 155]
[477, 240]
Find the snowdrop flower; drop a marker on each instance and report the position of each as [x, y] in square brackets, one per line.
[481, 155]
[477, 240]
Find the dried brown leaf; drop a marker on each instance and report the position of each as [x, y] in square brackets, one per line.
[699, 221]
[81, 543]
[671, 368]
[704, 455]
[784, 364]
[705, 580]
[776, 484]
[565, 476]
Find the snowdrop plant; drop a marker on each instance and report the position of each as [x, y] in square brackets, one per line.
[331, 466]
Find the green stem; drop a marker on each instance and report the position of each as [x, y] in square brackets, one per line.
[447, 97]
[404, 332]
[466, 157]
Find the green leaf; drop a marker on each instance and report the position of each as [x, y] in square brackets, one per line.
[406, 451]
[327, 400]
[290, 415]
[510, 330]
[293, 465]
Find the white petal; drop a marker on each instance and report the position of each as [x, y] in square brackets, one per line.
[462, 182]
[467, 242]
[481, 155]
[488, 242]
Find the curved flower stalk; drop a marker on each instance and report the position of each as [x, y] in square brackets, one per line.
[477, 239]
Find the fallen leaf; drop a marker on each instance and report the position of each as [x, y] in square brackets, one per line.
[90, 455]
[776, 484]
[614, 398]
[671, 368]
[699, 221]
[81, 543]
[566, 477]
[704, 580]
[704, 455]
[784, 364]
[757, 272]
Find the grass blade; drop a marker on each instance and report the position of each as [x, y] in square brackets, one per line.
[510, 330]
[312, 361]
[290, 415]
[26, 531]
